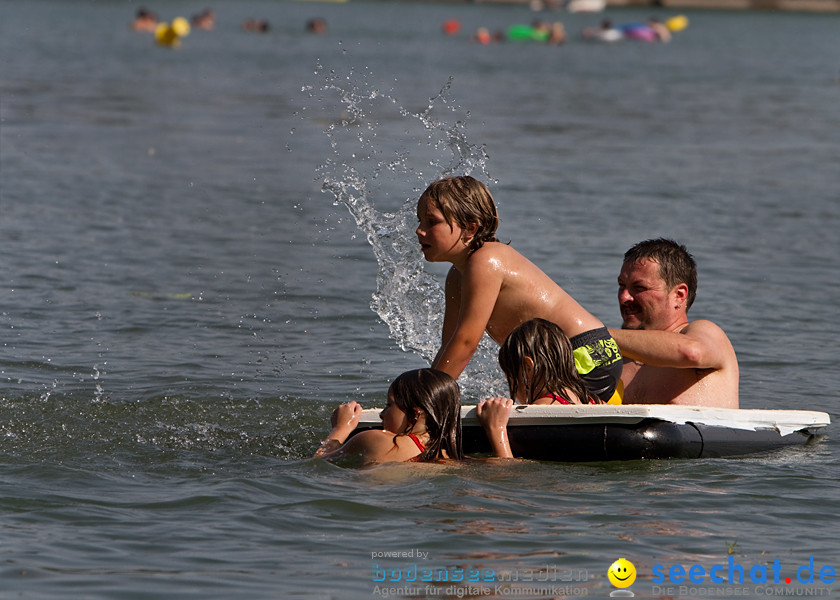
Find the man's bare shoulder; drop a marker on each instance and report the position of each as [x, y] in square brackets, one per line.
[705, 328]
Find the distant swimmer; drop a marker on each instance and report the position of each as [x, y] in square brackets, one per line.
[650, 31]
[206, 20]
[663, 34]
[481, 36]
[605, 33]
[255, 25]
[145, 20]
[558, 34]
[316, 25]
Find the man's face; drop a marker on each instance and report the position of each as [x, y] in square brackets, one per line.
[643, 297]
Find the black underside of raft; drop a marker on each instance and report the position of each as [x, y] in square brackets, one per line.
[648, 439]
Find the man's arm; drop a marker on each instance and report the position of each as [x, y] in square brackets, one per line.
[479, 289]
[700, 345]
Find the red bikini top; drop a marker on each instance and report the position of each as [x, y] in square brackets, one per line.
[417, 441]
[559, 400]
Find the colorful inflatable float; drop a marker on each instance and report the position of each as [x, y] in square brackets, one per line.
[653, 31]
[527, 33]
[632, 432]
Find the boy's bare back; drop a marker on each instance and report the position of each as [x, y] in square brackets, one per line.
[495, 290]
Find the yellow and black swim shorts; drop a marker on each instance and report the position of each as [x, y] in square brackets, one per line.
[599, 362]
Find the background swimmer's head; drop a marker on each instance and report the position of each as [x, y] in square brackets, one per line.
[537, 358]
[465, 201]
[439, 397]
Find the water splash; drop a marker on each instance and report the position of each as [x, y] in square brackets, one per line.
[384, 153]
[98, 371]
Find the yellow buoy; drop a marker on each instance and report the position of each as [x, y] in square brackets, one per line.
[677, 23]
[167, 34]
[181, 26]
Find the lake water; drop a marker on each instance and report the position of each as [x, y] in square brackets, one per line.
[182, 305]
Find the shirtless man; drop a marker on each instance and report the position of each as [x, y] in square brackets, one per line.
[667, 359]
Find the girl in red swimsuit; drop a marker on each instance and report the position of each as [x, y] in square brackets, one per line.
[420, 422]
[539, 364]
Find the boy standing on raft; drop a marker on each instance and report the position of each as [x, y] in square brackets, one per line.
[492, 287]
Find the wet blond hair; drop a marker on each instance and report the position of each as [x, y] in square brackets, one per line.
[465, 201]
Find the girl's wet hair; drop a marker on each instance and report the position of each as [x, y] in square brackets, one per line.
[438, 395]
[465, 201]
[549, 347]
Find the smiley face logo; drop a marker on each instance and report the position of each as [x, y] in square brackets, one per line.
[622, 573]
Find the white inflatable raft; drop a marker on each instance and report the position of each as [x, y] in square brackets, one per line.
[632, 431]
